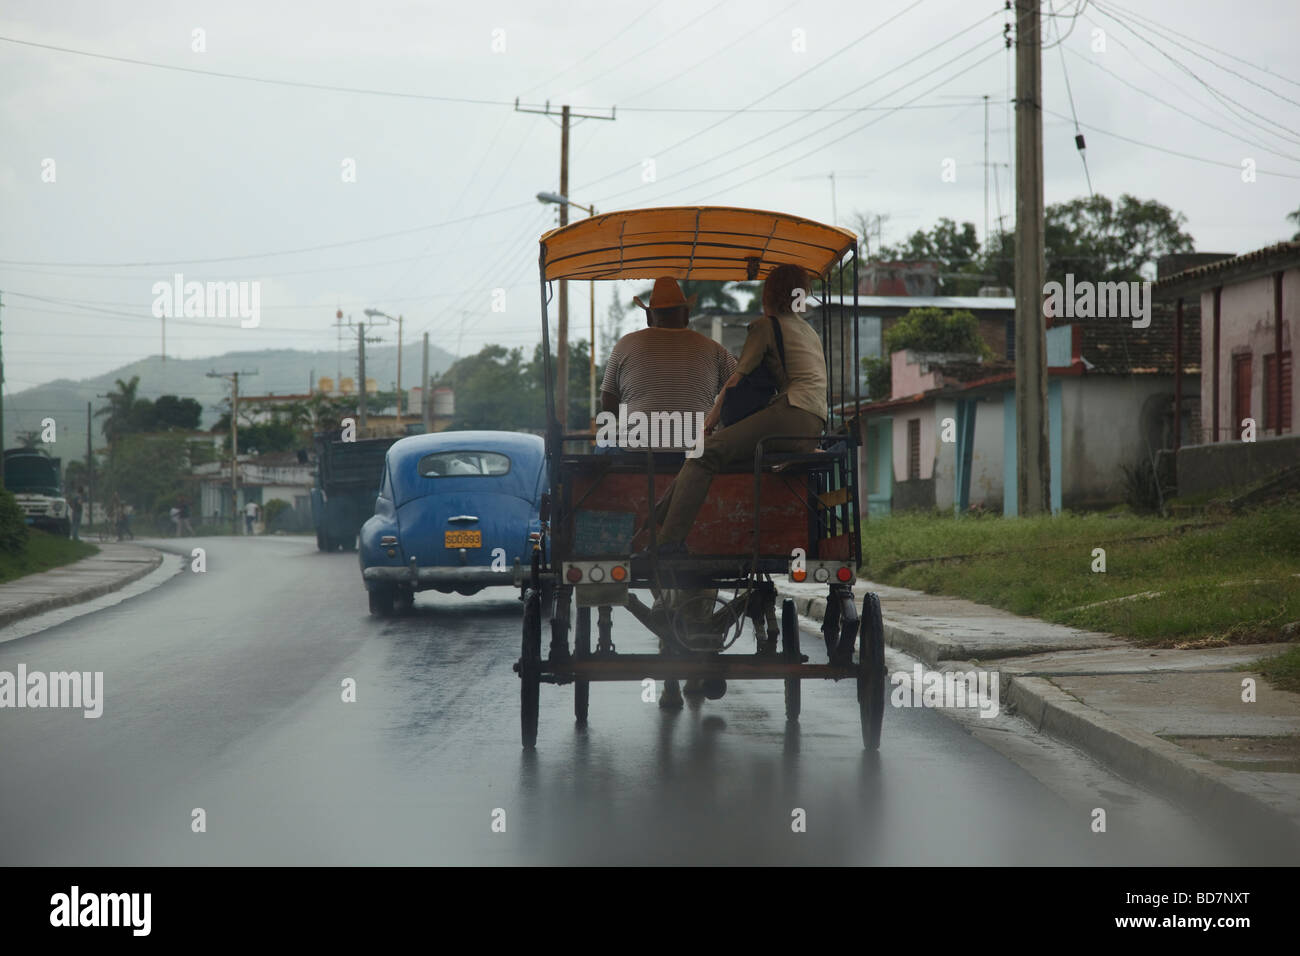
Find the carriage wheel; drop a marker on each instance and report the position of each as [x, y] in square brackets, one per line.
[871, 672]
[831, 624]
[790, 651]
[582, 650]
[530, 665]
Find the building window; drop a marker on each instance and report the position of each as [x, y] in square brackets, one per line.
[913, 449]
[1271, 390]
[1240, 392]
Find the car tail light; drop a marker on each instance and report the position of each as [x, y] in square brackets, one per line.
[798, 576]
[844, 574]
[618, 573]
[821, 574]
[574, 575]
[597, 573]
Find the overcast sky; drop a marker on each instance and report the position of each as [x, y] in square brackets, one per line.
[159, 171]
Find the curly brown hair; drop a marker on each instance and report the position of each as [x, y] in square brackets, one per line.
[780, 287]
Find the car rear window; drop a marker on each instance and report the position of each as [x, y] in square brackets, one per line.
[457, 464]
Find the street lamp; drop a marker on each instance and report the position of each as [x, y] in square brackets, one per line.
[562, 362]
[375, 313]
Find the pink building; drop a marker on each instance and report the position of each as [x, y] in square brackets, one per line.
[1250, 320]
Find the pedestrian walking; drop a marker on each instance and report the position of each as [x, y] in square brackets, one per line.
[186, 527]
[250, 516]
[175, 515]
[76, 506]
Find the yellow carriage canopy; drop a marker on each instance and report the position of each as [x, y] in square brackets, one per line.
[720, 243]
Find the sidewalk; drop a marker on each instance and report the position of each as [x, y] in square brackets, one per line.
[116, 565]
[1173, 720]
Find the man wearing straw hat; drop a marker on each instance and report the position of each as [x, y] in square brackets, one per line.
[668, 368]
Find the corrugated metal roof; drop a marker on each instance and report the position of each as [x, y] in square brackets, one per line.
[971, 302]
[1280, 255]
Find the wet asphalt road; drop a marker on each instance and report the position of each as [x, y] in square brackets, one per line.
[223, 692]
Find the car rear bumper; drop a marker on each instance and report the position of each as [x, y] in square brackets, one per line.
[441, 577]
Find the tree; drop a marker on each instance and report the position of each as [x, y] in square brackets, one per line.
[117, 414]
[924, 330]
[29, 439]
[579, 413]
[494, 390]
[956, 249]
[173, 412]
[147, 471]
[1295, 218]
[1097, 240]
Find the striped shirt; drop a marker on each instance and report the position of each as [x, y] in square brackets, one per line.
[667, 370]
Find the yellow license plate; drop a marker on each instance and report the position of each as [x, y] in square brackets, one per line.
[463, 539]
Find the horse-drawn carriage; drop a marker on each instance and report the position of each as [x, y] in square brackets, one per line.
[785, 514]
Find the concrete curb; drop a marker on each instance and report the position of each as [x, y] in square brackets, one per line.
[87, 593]
[1140, 756]
[1136, 754]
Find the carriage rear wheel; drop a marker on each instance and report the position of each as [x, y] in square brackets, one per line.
[582, 650]
[530, 666]
[871, 672]
[790, 651]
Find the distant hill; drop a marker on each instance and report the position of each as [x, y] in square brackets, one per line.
[279, 371]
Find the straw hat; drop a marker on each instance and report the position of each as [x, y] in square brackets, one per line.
[666, 294]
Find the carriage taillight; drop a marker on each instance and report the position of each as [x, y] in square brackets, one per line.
[573, 575]
[821, 572]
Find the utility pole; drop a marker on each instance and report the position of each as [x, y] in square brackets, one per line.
[90, 472]
[2, 402]
[562, 334]
[361, 361]
[399, 372]
[424, 385]
[233, 379]
[986, 170]
[1033, 465]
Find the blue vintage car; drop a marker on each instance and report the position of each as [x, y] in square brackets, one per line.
[454, 512]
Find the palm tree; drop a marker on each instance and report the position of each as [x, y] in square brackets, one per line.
[118, 411]
[1295, 218]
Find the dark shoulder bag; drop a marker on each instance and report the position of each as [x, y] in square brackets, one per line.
[754, 391]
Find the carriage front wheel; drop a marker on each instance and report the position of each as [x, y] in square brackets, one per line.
[530, 667]
[582, 650]
[871, 672]
[790, 651]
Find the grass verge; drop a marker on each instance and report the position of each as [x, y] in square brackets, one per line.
[1201, 581]
[43, 551]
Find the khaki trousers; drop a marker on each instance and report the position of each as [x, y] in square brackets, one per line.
[732, 447]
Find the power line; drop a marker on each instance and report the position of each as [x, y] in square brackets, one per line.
[817, 132]
[267, 255]
[693, 137]
[248, 78]
[1178, 109]
[1172, 152]
[1241, 76]
[851, 132]
[1217, 94]
[598, 49]
[623, 64]
[712, 56]
[1078, 136]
